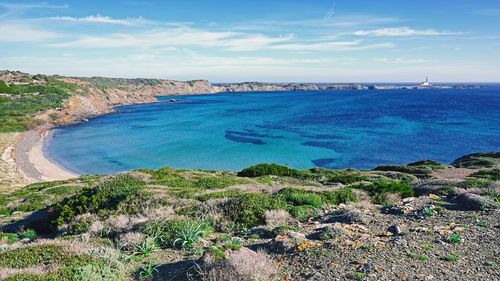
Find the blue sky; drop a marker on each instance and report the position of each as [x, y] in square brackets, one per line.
[275, 41]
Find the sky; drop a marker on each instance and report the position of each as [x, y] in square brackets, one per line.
[269, 41]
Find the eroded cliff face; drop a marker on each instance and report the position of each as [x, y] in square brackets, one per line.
[93, 97]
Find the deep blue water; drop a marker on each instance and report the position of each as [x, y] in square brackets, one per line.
[333, 129]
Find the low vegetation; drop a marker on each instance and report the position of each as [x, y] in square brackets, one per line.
[151, 224]
[19, 103]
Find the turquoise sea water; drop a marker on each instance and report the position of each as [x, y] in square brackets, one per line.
[333, 129]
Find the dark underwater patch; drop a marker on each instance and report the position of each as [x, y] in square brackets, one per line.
[324, 162]
[242, 139]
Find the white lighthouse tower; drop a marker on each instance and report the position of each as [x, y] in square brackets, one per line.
[426, 83]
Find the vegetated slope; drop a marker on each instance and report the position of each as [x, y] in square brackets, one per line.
[30, 100]
[308, 224]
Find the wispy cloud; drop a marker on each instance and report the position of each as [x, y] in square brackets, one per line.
[102, 19]
[186, 37]
[332, 46]
[400, 61]
[20, 32]
[402, 32]
[14, 9]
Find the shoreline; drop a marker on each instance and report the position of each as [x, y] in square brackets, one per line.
[33, 163]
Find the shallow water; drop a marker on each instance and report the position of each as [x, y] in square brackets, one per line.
[333, 129]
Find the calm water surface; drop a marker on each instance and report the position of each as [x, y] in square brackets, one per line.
[333, 129]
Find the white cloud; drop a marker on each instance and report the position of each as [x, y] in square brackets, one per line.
[102, 19]
[401, 32]
[19, 32]
[400, 61]
[332, 46]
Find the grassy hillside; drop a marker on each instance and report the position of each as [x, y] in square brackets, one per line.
[187, 224]
[19, 103]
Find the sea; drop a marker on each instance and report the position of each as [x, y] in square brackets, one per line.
[339, 129]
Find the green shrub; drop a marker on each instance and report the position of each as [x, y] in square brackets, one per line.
[452, 257]
[32, 202]
[455, 239]
[345, 177]
[100, 200]
[402, 188]
[418, 257]
[99, 272]
[178, 232]
[299, 197]
[271, 169]
[217, 182]
[33, 256]
[248, 210]
[28, 234]
[217, 195]
[169, 177]
[478, 183]
[491, 174]
[304, 212]
[340, 196]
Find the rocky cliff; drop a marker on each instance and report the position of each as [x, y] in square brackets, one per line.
[97, 96]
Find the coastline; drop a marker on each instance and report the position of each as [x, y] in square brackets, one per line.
[33, 163]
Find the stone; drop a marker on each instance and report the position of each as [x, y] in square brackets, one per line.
[395, 229]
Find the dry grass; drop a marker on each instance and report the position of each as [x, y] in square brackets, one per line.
[275, 218]
[35, 270]
[243, 265]
[10, 178]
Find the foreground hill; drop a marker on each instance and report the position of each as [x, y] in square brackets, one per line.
[421, 221]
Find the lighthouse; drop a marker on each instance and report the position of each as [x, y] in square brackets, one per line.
[426, 83]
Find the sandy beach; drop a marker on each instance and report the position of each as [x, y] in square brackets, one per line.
[32, 162]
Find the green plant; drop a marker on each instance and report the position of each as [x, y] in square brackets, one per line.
[357, 276]
[299, 197]
[148, 271]
[174, 232]
[304, 212]
[402, 188]
[100, 271]
[428, 246]
[28, 234]
[271, 169]
[345, 177]
[32, 256]
[428, 211]
[233, 244]
[102, 199]
[482, 223]
[248, 210]
[418, 257]
[217, 182]
[452, 257]
[455, 239]
[216, 252]
[478, 183]
[190, 234]
[147, 247]
[491, 174]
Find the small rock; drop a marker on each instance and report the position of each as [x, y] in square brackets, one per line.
[348, 216]
[407, 200]
[395, 229]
